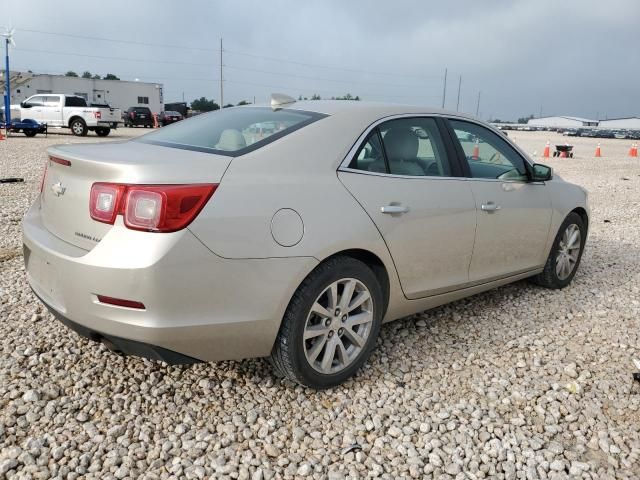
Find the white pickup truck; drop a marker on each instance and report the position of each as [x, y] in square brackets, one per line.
[70, 111]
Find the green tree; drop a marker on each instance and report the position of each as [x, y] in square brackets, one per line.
[96, 77]
[110, 76]
[525, 119]
[316, 97]
[86, 74]
[71, 73]
[243, 102]
[228, 105]
[348, 96]
[203, 104]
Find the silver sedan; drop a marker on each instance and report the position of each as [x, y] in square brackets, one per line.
[291, 231]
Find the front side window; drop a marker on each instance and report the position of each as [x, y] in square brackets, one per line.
[233, 131]
[406, 146]
[488, 155]
[37, 101]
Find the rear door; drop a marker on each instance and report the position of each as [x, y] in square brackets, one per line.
[52, 111]
[514, 214]
[406, 176]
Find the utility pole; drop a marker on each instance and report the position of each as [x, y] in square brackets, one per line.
[478, 104]
[444, 91]
[7, 92]
[221, 90]
[458, 102]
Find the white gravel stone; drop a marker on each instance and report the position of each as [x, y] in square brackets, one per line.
[519, 382]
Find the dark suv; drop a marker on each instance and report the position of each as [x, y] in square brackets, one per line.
[138, 116]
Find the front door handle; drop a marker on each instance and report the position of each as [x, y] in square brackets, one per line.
[490, 207]
[394, 209]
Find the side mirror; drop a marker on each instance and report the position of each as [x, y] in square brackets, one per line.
[24, 105]
[541, 173]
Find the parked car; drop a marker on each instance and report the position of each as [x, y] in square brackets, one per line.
[70, 111]
[169, 117]
[138, 116]
[205, 242]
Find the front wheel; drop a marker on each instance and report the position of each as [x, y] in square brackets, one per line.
[102, 131]
[30, 133]
[331, 324]
[566, 253]
[79, 127]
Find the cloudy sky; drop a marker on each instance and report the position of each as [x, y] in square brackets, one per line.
[571, 57]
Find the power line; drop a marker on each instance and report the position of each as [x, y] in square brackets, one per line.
[109, 57]
[117, 40]
[229, 52]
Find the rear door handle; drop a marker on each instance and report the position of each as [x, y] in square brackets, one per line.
[394, 209]
[490, 207]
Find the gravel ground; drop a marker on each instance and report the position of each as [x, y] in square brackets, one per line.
[519, 382]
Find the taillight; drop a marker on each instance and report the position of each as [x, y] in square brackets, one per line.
[98, 114]
[132, 115]
[151, 208]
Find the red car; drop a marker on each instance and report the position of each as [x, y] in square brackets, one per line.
[168, 117]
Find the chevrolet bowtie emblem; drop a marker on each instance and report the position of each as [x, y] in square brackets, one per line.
[58, 189]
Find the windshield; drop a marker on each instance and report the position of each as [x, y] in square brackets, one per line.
[233, 131]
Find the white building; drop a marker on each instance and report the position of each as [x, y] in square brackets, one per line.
[628, 123]
[562, 122]
[117, 93]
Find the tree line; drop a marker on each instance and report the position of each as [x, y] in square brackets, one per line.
[87, 74]
[204, 104]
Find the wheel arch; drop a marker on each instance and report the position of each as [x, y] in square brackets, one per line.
[583, 215]
[374, 263]
[75, 117]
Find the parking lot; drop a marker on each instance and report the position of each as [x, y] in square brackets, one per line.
[519, 382]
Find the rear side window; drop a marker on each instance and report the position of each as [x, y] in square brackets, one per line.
[407, 146]
[75, 102]
[233, 131]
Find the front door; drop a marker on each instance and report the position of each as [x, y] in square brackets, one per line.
[513, 214]
[403, 177]
[35, 110]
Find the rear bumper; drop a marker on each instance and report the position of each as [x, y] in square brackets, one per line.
[197, 305]
[123, 345]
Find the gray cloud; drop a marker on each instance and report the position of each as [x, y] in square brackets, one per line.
[571, 57]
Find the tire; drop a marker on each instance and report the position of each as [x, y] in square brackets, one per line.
[293, 356]
[103, 131]
[30, 133]
[550, 277]
[78, 127]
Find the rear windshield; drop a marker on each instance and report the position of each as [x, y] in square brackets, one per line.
[233, 131]
[141, 110]
[172, 113]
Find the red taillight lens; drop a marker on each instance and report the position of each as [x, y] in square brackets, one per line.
[132, 114]
[151, 208]
[98, 114]
[60, 161]
[104, 201]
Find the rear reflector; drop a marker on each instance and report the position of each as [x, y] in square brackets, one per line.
[120, 302]
[151, 208]
[60, 161]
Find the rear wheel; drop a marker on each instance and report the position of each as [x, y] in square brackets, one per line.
[331, 324]
[79, 127]
[30, 133]
[566, 253]
[102, 131]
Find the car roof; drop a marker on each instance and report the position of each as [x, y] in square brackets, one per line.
[365, 108]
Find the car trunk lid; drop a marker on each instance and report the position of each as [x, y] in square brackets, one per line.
[73, 169]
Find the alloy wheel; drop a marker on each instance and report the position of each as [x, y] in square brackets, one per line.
[338, 326]
[568, 251]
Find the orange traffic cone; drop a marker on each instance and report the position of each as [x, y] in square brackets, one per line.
[476, 151]
[598, 152]
[546, 150]
[635, 149]
[1, 136]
